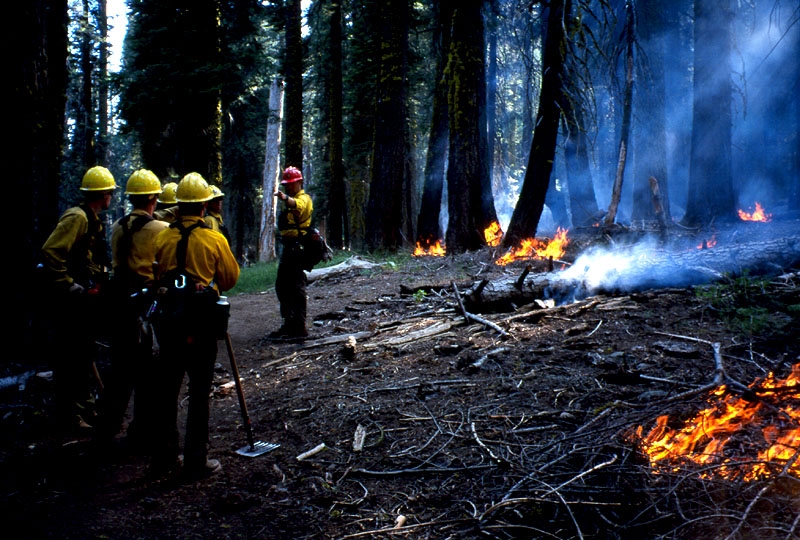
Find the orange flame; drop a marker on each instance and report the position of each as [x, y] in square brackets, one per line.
[534, 248]
[702, 439]
[757, 215]
[708, 244]
[434, 250]
[493, 234]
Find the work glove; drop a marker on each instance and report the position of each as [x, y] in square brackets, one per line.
[76, 288]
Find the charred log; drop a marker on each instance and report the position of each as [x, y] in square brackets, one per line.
[633, 270]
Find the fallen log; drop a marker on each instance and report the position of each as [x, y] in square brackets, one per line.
[632, 269]
[341, 268]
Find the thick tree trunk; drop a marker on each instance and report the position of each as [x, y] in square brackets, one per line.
[711, 197]
[388, 175]
[38, 79]
[469, 199]
[293, 74]
[429, 230]
[650, 132]
[338, 233]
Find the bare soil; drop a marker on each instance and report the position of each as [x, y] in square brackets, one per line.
[511, 425]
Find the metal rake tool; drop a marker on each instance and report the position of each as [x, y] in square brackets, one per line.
[254, 448]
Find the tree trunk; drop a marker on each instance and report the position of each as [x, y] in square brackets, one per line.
[530, 205]
[38, 103]
[84, 132]
[650, 132]
[293, 75]
[624, 136]
[272, 171]
[468, 187]
[102, 85]
[390, 154]
[429, 230]
[710, 183]
[338, 233]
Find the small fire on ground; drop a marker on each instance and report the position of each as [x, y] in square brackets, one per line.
[756, 215]
[431, 249]
[533, 248]
[734, 438]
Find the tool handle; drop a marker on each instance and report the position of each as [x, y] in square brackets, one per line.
[239, 392]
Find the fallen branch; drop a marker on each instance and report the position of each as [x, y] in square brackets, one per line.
[468, 315]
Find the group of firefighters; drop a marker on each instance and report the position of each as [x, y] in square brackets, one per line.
[177, 226]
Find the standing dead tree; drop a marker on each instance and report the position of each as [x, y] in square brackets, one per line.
[266, 251]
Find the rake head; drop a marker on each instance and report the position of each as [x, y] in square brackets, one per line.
[257, 448]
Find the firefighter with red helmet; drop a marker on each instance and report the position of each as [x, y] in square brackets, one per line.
[291, 281]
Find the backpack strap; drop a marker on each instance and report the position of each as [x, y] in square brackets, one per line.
[131, 226]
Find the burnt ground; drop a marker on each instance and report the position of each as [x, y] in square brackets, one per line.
[504, 425]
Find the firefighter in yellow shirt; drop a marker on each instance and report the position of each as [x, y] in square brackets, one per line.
[133, 252]
[188, 345]
[74, 267]
[291, 281]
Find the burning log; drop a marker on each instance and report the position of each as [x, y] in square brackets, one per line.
[634, 269]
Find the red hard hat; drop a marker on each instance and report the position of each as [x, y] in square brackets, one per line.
[291, 175]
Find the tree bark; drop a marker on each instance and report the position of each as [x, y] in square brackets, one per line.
[293, 75]
[469, 200]
[102, 85]
[429, 230]
[266, 251]
[622, 156]
[338, 233]
[388, 174]
[38, 78]
[710, 181]
[525, 219]
[650, 131]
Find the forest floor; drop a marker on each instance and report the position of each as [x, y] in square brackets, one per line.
[519, 424]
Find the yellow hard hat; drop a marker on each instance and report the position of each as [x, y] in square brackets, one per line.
[217, 192]
[167, 195]
[193, 188]
[98, 179]
[143, 182]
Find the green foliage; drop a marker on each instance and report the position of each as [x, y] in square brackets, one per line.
[419, 295]
[255, 278]
[745, 305]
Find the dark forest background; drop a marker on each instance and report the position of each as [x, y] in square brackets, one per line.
[414, 121]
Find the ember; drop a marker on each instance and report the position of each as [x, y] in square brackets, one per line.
[434, 250]
[768, 423]
[757, 215]
[493, 234]
[535, 248]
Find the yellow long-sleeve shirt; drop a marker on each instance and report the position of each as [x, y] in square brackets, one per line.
[142, 254]
[300, 214]
[209, 259]
[58, 258]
